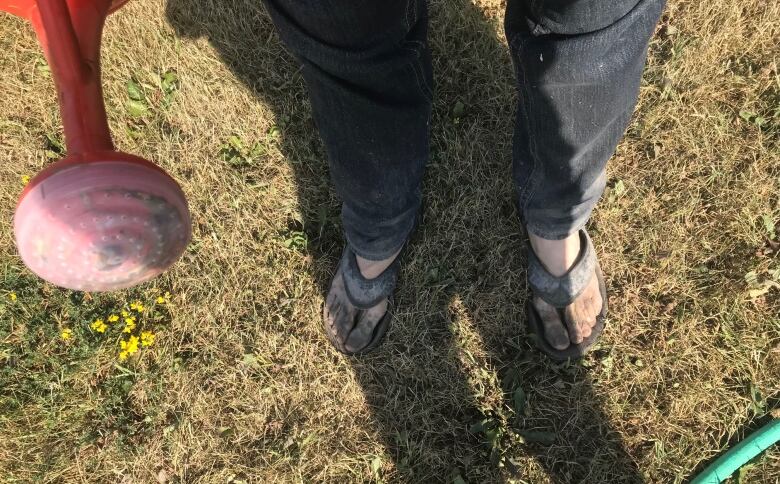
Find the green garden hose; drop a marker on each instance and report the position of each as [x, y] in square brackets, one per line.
[735, 458]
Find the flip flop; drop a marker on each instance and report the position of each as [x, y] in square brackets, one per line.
[561, 291]
[362, 294]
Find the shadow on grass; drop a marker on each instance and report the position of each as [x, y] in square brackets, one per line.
[425, 389]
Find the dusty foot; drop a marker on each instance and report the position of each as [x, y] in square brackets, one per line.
[352, 329]
[558, 256]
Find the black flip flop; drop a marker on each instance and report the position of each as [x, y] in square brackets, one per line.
[559, 292]
[364, 294]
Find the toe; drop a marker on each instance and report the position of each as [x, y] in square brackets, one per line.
[344, 323]
[586, 328]
[574, 318]
[593, 304]
[336, 316]
[586, 318]
[331, 310]
[338, 313]
[596, 303]
[554, 331]
[361, 333]
[593, 311]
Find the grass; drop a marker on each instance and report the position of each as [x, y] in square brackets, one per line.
[240, 385]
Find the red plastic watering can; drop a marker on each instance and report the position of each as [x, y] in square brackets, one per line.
[99, 219]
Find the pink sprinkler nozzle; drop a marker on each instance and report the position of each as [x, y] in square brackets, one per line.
[100, 219]
[101, 224]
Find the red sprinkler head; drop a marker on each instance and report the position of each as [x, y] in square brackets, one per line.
[99, 219]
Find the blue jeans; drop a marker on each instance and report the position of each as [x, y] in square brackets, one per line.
[367, 68]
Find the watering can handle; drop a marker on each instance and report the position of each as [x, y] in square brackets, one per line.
[65, 51]
[69, 32]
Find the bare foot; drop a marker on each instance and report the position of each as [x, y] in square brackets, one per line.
[558, 256]
[352, 329]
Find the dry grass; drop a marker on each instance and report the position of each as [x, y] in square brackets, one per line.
[242, 386]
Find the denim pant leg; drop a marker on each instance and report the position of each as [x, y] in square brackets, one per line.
[579, 64]
[367, 67]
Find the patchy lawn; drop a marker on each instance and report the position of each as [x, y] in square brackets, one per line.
[240, 385]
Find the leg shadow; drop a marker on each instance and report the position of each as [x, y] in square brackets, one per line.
[244, 37]
[473, 268]
[463, 283]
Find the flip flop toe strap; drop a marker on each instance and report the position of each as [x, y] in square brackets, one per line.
[561, 291]
[366, 293]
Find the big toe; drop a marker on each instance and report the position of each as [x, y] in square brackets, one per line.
[554, 331]
[339, 319]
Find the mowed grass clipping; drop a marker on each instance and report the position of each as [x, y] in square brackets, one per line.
[239, 385]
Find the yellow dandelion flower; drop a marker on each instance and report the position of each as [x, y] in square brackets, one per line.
[137, 306]
[122, 355]
[12, 296]
[99, 326]
[129, 325]
[125, 314]
[147, 338]
[160, 300]
[113, 318]
[129, 346]
[66, 334]
[25, 179]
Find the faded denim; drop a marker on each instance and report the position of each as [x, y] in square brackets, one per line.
[367, 67]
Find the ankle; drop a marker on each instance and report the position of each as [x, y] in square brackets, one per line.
[371, 269]
[557, 256]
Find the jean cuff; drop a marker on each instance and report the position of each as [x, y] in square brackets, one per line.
[378, 240]
[554, 232]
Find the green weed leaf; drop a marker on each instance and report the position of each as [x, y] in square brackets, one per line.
[296, 240]
[538, 437]
[459, 109]
[757, 400]
[134, 91]
[743, 473]
[53, 146]
[376, 464]
[137, 109]
[619, 188]
[518, 399]
[746, 115]
[752, 278]
[769, 225]
[169, 82]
